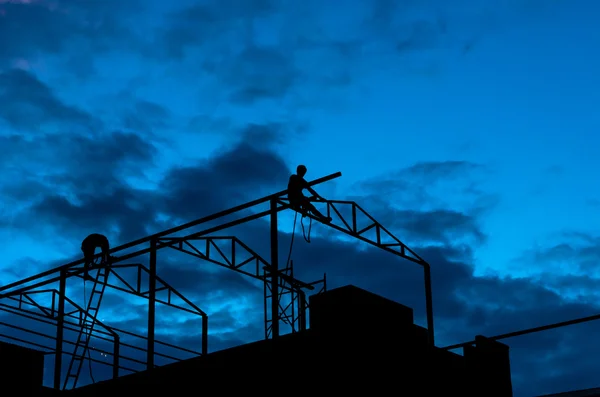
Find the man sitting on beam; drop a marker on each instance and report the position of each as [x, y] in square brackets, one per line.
[298, 201]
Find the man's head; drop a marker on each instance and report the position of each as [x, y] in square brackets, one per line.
[301, 170]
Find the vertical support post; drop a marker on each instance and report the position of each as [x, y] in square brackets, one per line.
[60, 328]
[294, 299]
[204, 335]
[429, 303]
[302, 310]
[266, 308]
[116, 357]
[274, 271]
[151, 305]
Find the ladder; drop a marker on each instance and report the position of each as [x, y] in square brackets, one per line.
[87, 326]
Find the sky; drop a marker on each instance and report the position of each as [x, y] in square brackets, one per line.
[467, 128]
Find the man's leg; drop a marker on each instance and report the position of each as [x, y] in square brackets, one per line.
[86, 268]
[106, 258]
[88, 255]
[310, 207]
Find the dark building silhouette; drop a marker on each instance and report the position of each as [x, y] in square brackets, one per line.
[357, 342]
[21, 369]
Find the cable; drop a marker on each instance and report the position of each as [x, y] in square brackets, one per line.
[87, 335]
[287, 263]
[306, 237]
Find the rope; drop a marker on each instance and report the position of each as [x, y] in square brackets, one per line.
[87, 336]
[306, 237]
[287, 263]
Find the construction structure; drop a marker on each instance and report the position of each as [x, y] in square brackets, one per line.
[45, 297]
[357, 342]
[74, 329]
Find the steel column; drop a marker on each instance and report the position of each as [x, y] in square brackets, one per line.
[204, 334]
[60, 328]
[274, 271]
[116, 353]
[302, 310]
[429, 303]
[151, 304]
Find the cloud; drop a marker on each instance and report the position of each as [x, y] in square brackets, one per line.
[92, 187]
[566, 263]
[52, 173]
[464, 305]
[233, 176]
[431, 201]
[145, 116]
[59, 24]
[253, 54]
[202, 25]
[28, 103]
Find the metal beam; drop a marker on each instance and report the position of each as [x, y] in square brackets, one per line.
[398, 248]
[60, 330]
[274, 271]
[147, 250]
[429, 303]
[151, 305]
[530, 330]
[170, 231]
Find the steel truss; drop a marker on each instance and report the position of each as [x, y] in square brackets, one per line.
[290, 311]
[279, 283]
[65, 314]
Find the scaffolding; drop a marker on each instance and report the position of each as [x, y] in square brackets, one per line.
[22, 297]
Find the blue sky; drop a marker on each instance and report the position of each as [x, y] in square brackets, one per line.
[469, 128]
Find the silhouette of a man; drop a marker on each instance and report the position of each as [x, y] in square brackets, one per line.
[298, 200]
[89, 245]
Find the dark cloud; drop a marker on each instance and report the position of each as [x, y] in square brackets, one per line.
[425, 172]
[437, 226]
[259, 73]
[27, 103]
[121, 210]
[201, 25]
[22, 268]
[567, 263]
[91, 185]
[94, 162]
[144, 116]
[64, 177]
[229, 45]
[234, 176]
[205, 282]
[580, 251]
[252, 70]
[430, 185]
[58, 23]
[20, 41]
[431, 202]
